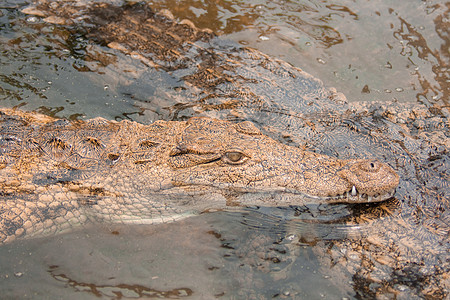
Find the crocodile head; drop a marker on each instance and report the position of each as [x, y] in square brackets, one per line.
[237, 157]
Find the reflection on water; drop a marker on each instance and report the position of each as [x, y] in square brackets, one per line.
[254, 253]
[370, 50]
[311, 223]
[210, 256]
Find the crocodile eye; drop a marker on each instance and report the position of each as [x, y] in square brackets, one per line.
[235, 157]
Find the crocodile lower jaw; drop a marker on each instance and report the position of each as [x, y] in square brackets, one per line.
[349, 197]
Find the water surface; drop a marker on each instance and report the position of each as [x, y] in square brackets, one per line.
[369, 50]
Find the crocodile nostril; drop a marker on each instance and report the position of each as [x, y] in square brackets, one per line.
[178, 149]
[113, 156]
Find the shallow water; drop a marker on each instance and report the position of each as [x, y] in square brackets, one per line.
[398, 49]
[369, 50]
[215, 255]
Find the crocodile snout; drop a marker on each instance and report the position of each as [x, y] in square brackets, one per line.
[370, 180]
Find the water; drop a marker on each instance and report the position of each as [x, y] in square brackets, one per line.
[215, 255]
[369, 50]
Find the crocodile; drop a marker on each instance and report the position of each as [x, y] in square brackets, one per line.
[401, 249]
[66, 172]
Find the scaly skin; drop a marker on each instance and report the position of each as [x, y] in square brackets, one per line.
[401, 247]
[56, 174]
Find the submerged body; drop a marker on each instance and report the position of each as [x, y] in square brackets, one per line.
[401, 246]
[56, 173]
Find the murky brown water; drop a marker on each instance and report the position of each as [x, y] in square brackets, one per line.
[369, 50]
[212, 256]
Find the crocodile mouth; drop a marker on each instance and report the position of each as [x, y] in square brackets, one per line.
[353, 196]
[349, 197]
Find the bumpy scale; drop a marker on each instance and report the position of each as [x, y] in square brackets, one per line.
[55, 174]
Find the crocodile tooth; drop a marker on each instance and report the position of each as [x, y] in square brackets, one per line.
[369, 198]
[353, 191]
